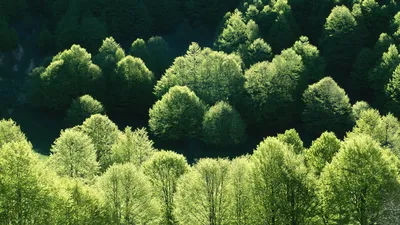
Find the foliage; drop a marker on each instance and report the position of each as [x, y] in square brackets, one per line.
[110, 53]
[132, 147]
[321, 152]
[177, 115]
[70, 74]
[213, 76]
[103, 134]
[292, 138]
[358, 108]
[201, 196]
[327, 107]
[131, 86]
[10, 132]
[82, 108]
[9, 38]
[362, 171]
[74, 155]
[127, 195]
[164, 169]
[222, 125]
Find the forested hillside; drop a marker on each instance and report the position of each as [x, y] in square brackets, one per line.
[200, 112]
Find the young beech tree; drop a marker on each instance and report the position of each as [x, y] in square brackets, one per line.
[281, 187]
[222, 125]
[240, 182]
[131, 86]
[177, 115]
[355, 184]
[327, 107]
[380, 75]
[132, 147]
[321, 152]
[127, 195]
[164, 169]
[273, 87]
[82, 108]
[24, 197]
[70, 74]
[213, 76]
[292, 138]
[110, 53]
[392, 91]
[103, 134]
[74, 155]
[202, 195]
[340, 43]
[10, 132]
[358, 108]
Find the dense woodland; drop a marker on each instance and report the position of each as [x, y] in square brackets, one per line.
[315, 84]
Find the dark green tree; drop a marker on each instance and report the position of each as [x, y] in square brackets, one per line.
[159, 55]
[82, 108]
[9, 37]
[139, 49]
[91, 33]
[327, 108]
[340, 44]
[131, 86]
[222, 125]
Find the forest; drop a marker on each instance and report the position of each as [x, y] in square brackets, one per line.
[199, 112]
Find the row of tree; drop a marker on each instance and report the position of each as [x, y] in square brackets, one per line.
[97, 174]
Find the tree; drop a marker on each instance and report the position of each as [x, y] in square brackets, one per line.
[240, 181]
[201, 196]
[340, 43]
[139, 49]
[166, 13]
[82, 108]
[258, 51]
[160, 55]
[321, 152]
[131, 86]
[24, 197]
[67, 30]
[392, 90]
[103, 133]
[10, 132]
[132, 147]
[110, 53]
[92, 32]
[358, 108]
[164, 169]
[354, 185]
[273, 87]
[314, 64]
[292, 138]
[222, 125]
[327, 108]
[280, 185]
[381, 74]
[213, 76]
[127, 194]
[70, 74]
[177, 115]
[74, 155]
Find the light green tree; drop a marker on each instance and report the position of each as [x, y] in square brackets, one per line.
[292, 138]
[202, 194]
[103, 134]
[9, 132]
[321, 152]
[281, 187]
[128, 197]
[74, 155]
[358, 108]
[164, 169]
[213, 76]
[177, 115]
[110, 53]
[355, 184]
[132, 147]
